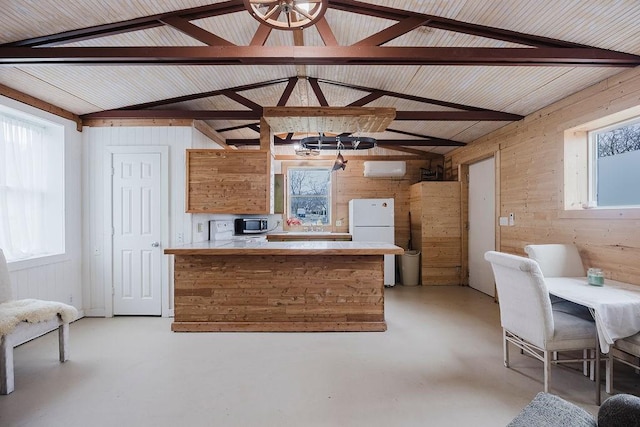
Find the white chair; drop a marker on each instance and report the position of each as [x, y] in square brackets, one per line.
[557, 260]
[561, 260]
[527, 318]
[624, 350]
[23, 320]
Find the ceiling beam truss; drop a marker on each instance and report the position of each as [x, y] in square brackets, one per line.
[312, 55]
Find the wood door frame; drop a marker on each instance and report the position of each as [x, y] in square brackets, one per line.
[109, 151]
[463, 177]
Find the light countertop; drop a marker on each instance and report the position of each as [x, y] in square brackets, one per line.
[257, 247]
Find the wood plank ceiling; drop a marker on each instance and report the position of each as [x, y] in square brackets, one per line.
[453, 70]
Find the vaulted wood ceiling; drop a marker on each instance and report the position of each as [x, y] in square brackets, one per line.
[453, 70]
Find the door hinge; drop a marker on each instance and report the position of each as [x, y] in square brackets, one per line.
[113, 290]
[113, 171]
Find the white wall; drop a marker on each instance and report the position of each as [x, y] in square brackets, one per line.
[96, 139]
[57, 278]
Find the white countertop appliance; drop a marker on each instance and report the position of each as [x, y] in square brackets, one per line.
[372, 220]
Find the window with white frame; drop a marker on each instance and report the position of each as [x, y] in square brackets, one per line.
[614, 160]
[309, 195]
[31, 186]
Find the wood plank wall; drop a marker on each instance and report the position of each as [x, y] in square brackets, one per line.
[530, 173]
[351, 184]
[437, 231]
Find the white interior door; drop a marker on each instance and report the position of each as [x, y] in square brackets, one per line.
[137, 252]
[482, 224]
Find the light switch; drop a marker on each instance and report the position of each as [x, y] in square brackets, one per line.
[512, 219]
[199, 227]
[504, 221]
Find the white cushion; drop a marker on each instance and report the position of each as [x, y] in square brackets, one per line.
[557, 260]
[630, 344]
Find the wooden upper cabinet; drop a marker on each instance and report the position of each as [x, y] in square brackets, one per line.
[230, 182]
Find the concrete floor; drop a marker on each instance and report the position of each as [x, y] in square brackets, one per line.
[438, 364]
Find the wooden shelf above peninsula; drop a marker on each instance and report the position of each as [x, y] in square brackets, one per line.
[293, 236]
[280, 286]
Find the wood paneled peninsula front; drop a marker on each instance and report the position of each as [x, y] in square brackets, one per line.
[279, 286]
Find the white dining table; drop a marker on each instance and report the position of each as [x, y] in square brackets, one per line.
[614, 306]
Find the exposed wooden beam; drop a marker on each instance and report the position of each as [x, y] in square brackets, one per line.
[239, 127]
[367, 99]
[41, 105]
[326, 33]
[137, 24]
[435, 140]
[293, 81]
[138, 122]
[211, 133]
[317, 90]
[393, 32]
[256, 114]
[242, 100]
[176, 114]
[201, 95]
[424, 154]
[261, 35]
[368, 9]
[298, 40]
[404, 96]
[455, 116]
[193, 31]
[314, 55]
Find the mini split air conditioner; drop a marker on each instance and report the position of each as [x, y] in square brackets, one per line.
[385, 169]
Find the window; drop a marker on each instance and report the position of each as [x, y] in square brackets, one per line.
[614, 156]
[309, 194]
[31, 186]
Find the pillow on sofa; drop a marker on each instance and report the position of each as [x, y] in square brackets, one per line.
[549, 410]
[620, 410]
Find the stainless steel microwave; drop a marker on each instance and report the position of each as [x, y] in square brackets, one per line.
[250, 225]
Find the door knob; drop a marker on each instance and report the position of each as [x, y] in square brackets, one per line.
[155, 244]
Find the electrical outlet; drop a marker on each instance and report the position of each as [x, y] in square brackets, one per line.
[339, 223]
[180, 237]
[199, 227]
[504, 221]
[512, 219]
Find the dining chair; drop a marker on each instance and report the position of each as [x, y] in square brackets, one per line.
[627, 351]
[527, 318]
[562, 260]
[557, 259]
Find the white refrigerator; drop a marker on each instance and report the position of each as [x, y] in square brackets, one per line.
[371, 220]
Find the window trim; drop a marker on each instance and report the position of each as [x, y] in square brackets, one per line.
[286, 165]
[56, 202]
[593, 160]
[574, 184]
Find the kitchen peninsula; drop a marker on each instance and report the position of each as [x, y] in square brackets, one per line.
[279, 286]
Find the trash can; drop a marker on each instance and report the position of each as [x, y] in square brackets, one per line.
[410, 268]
